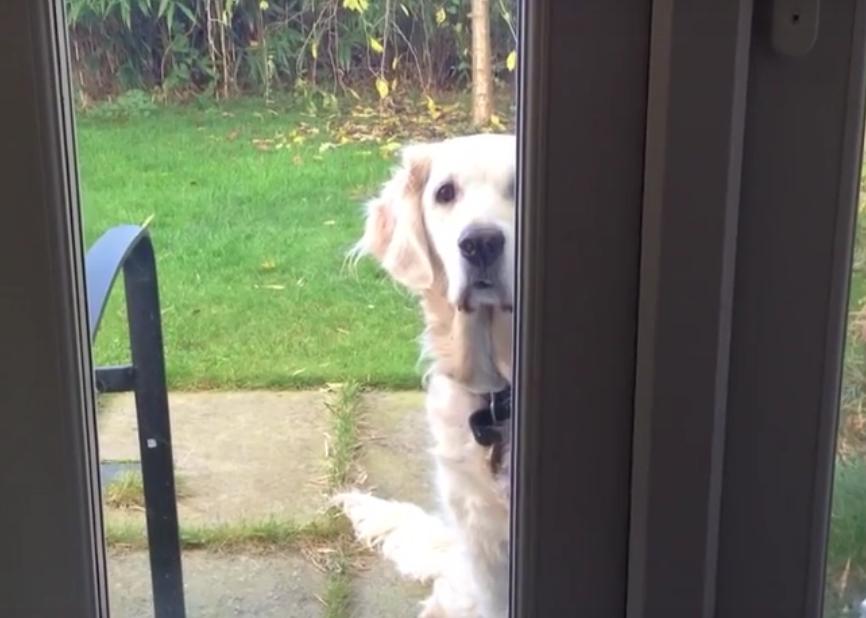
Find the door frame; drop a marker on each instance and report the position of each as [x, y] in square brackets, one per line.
[51, 519]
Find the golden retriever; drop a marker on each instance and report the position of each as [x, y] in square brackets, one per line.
[443, 227]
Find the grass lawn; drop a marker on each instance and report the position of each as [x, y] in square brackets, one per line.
[250, 238]
[846, 559]
[846, 569]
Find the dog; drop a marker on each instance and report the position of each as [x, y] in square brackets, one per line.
[443, 227]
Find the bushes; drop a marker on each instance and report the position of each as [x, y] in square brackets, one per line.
[223, 47]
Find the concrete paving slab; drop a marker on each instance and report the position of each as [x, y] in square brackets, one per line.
[396, 449]
[378, 591]
[240, 455]
[253, 455]
[222, 585]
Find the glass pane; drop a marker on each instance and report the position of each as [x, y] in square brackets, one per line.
[245, 137]
[846, 571]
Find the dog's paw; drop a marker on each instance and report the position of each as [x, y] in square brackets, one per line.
[450, 599]
[418, 543]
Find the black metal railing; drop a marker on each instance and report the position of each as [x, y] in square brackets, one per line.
[129, 248]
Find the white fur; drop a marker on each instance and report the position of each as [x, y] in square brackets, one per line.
[394, 528]
[464, 549]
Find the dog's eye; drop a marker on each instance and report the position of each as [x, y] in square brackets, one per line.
[446, 193]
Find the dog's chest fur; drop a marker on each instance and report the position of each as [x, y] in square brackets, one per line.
[472, 348]
[471, 355]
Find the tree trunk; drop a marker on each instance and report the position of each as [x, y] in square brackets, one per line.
[482, 66]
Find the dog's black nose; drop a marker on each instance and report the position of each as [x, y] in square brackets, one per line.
[481, 246]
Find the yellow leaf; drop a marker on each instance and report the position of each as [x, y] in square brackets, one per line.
[405, 10]
[382, 87]
[440, 16]
[394, 62]
[376, 46]
[314, 49]
[359, 6]
[263, 5]
[511, 61]
[268, 265]
[393, 84]
[433, 109]
[496, 122]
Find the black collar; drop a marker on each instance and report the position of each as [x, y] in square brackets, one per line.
[488, 423]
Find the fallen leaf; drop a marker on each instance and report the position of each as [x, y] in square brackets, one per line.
[359, 6]
[382, 87]
[511, 61]
[440, 16]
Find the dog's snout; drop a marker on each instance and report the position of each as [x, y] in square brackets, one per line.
[481, 246]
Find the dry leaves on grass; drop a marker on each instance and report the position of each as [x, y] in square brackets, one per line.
[384, 127]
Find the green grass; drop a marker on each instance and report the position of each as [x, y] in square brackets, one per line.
[236, 536]
[126, 491]
[338, 592]
[250, 247]
[846, 556]
[846, 569]
[343, 439]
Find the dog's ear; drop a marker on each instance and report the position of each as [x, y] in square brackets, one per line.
[394, 232]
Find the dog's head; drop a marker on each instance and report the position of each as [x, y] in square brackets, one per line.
[447, 216]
